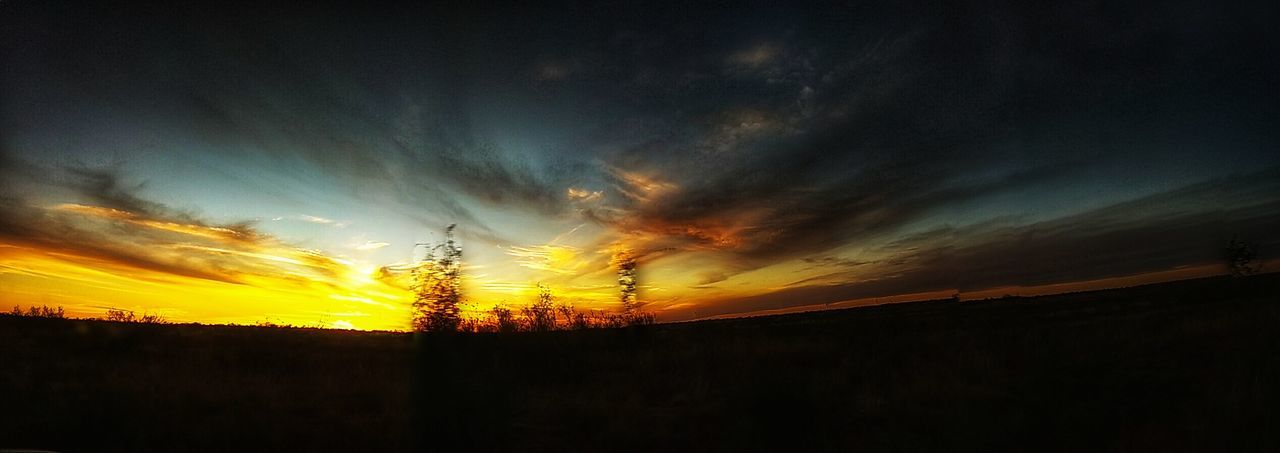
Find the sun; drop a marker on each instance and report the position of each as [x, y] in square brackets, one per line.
[342, 324]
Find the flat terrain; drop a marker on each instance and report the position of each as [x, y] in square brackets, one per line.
[1184, 366]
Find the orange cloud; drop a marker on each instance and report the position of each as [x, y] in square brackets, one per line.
[551, 258]
[638, 187]
[584, 196]
[241, 234]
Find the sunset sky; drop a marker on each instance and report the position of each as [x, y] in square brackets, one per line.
[239, 164]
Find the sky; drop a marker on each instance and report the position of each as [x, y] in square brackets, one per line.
[242, 163]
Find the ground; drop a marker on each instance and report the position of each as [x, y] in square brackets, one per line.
[1191, 365]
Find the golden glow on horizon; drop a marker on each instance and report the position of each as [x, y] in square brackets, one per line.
[191, 272]
[88, 287]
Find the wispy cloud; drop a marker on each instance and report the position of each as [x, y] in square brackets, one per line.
[551, 258]
[372, 245]
[322, 221]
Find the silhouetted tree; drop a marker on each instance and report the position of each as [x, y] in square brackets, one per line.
[437, 286]
[1242, 257]
[541, 316]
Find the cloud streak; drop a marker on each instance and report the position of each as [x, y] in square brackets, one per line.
[1105, 242]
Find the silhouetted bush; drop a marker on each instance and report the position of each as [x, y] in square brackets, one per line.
[573, 319]
[504, 320]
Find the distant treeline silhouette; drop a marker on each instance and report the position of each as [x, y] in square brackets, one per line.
[113, 314]
[42, 311]
[118, 315]
[546, 314]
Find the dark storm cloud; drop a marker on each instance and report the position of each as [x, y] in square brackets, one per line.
[391, 93]
[794, 203]
[104, 188]
[1151, 234]
[317, 86]
[870, 120]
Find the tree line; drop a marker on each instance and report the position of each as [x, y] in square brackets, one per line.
[113, 314]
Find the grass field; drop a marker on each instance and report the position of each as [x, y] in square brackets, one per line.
[1184, 366]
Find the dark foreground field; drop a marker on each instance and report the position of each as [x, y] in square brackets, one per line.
[1187, 366]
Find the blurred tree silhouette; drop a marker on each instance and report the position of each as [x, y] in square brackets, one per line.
[437, 286]
[627, 282]
[1242, 257]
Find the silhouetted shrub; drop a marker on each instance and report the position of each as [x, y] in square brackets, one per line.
[640, 318]
[573, 319]
[118, 315]
[504, 320]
